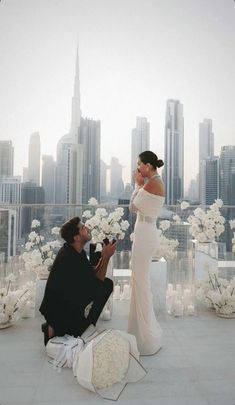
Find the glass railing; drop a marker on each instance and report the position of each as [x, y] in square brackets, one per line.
[16, 220]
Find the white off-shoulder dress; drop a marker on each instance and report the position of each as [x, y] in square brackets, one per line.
[142, 321]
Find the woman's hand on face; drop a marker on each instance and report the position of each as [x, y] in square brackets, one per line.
[139, 179]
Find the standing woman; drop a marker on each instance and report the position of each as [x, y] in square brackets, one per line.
[147, 201]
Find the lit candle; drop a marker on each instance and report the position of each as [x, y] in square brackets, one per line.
[178, 308]
[116, 293]
[126, 291]
[191, 309]
[170, 287]
[106, 316]
[186, 295]
[178, 288]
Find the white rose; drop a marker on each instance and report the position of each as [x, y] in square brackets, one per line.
[164, 225]
[124, 225]
[232, 223]
[48, 262]
[87, 214]
[184, 205]
[55, 230]
[93, 201]
[32, 236]
[199, 213]
[35, 223]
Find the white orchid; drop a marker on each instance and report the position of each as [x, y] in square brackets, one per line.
[92, 201]
[39, 256]
[164, 225]
[106, 225]
[35, 223]
[208, 225]
[232, 223]
[55, 230]
[184, 205]
[217, 292]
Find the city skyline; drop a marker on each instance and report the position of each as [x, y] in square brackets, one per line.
[165, 49]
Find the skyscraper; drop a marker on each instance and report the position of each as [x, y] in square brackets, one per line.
[210, 175]
[227, 169]
[174, 152]
[6, 158]
[103, 181]
[117, 186]
[48, 178]
[34, 158]
[139, 141]
[8, 230]
[10, 190]
[89, 138]
[31, 194]
[206, 150]
[67, 150]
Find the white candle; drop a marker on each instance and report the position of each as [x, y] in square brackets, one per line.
[170, 287]
[106, 315]
[178, 288]
[178, 308]
[169, 302]
[116, 293]
[186, 295]
[191, 309]
[126, 291]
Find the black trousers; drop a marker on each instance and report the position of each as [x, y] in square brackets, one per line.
[73, 322]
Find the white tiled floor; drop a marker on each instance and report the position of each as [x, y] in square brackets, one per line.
[196, 365]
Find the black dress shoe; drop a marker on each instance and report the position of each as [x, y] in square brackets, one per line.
[45, 327]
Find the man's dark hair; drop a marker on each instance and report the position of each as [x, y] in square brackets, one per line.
[70, 229]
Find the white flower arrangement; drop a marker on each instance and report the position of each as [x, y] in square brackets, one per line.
[184, 205]
[110, 360]
[206, 226]
[217, 293]
[12, 302]
[167, 248]
[106, 226]
[232, 226]
[39, 256]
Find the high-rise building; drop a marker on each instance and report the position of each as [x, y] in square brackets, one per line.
[48, 178]
[34, 158]
[227, 168]
[210, 174]
[193, 190]
[10, 190]
[116, 182]
[174, 152]
[6, 158]
[67, 151]
[206, 150]
[8, 232]
[103, 181]
[140, 138]
[89, 138]
[31, 194]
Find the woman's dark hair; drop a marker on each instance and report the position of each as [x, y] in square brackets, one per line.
[150, 157]
[70, 229]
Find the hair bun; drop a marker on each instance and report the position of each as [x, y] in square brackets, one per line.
[160, 163]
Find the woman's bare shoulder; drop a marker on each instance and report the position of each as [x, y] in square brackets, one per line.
[155, 187]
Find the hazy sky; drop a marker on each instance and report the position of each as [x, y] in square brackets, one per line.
[134, 55]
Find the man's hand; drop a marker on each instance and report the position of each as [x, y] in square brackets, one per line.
[109, 249]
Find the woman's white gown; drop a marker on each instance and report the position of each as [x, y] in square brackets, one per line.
[142, 322]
